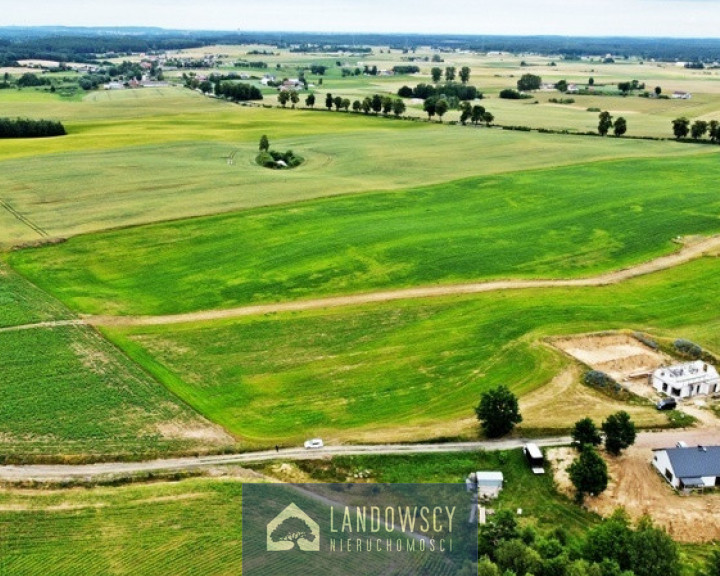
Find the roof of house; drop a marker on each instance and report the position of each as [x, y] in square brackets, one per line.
[694, 461]
[489, 478]
[687, 373]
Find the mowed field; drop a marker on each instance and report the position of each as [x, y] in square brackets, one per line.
[551, 223]
[142, 156]
[187, 528]
[412, 370]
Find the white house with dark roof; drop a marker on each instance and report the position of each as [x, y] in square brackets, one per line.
[686, 380]
[687, 468]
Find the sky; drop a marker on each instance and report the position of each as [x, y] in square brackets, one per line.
[673, 18]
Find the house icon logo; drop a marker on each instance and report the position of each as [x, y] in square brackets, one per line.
[293, 529]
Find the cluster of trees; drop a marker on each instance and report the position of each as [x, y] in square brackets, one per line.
[588, 472]
[274, 159]
[697, 130]
[612, 548]
[605, 123]
[25, 128]
[407, 69]
[626, 87]
[447, 90]
[512, 94]
[236, 91]
[29, 80]
[528, 82]
[450, 73]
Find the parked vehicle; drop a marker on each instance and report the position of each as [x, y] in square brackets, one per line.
[667, 404]
[535, 458]
[313, 443]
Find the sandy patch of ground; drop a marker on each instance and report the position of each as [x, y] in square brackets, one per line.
[636, 486]
[288, 472]
[564, 401]
[619, 355]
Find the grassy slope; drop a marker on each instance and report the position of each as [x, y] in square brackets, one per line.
[144, 156]
[562, 222]
[410, 369]
[193, 527]
[66, 393]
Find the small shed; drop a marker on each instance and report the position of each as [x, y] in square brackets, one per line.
[487, 483]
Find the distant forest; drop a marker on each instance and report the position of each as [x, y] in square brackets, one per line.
[89, 44]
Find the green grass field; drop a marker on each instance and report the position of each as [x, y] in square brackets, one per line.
[563, 222]
[407, 370]
[23, 303]
[188, 528]
[66, 393]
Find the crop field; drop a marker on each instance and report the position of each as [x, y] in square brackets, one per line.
[23, 303]
[137, 157]
[67, 393]
[190, 527]
[563, 222]
[413, 370]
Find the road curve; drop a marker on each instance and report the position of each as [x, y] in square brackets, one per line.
[113, 470]
[685, 254]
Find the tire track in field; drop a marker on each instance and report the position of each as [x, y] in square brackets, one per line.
[48, 324]
[24, 219]
[687, 253]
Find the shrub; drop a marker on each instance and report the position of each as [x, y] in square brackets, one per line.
[598, 379]
[593, 109]
[649, 342]
[687, 348]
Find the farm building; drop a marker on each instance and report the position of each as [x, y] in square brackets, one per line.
[687, 468]
[686, 380]
[678, 95]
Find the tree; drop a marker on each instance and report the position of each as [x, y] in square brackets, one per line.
[366, 105]
[620, 126]
[345, 104]
[429, 106]
[585, 432]
[624, 87]
[283, 98]
[610, 540]
[516, 556]
[376, 103]
[588, 473]
[488, 118]
[310, 100]
[464, 74]
[449, 73]
[714, 130]
[477, 114]
[398, 107]
[561, 85]
[436, 74]
[652, 551]
[337, 101]
[529, 82]
[681, 127]
[292, 530]
[658, 90]
[500, 528]
[264, 143]
[328, 101]
[498, 412]
[356, 106]
[465, 112]
[387, 105]
[698, 129]
[619, 432]
[604, 123]
[294, 98]
[591, 81]
[441, 106]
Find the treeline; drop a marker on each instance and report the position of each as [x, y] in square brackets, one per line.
[447, 90]
[697, 130]
[26, 128]
[237, 91]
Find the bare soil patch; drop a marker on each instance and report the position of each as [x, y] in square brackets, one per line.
[209, 433]
[636, 486]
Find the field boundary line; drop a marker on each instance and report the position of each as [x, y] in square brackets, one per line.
[24, 219]
[48, 324]
[685, 254]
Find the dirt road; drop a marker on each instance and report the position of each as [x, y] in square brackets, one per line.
[690, 251]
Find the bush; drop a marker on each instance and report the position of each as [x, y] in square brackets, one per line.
[593, 109]
[649, 342]
[598, 379]
[687, 348]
